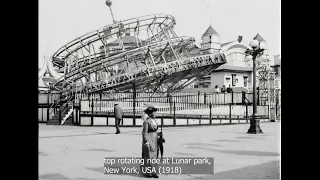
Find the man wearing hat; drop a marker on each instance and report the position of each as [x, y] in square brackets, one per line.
[117, 117]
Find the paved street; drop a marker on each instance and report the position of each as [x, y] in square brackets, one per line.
[71, 152]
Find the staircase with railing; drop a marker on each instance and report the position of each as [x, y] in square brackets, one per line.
[62, 112]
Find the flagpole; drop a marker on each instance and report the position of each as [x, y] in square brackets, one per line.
[210, 14]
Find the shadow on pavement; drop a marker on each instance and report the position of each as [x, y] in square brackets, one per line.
[52, 176]
[245, 133]
[227, 140]
[42, 154]
[270, 170]
[247, 153]
[75, 135]
[184, 154]
[102, 150]
[101, 170]
[252, 137]
[237, 152]
[200, 144]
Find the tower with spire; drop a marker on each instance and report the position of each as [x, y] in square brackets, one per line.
[210, 41]
[261, 40]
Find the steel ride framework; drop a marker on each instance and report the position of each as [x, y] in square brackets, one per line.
[141, 54]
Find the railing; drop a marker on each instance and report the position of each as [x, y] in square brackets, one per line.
[62, 108]
[66, 115]
[106, 106]
[206, 98]
[54, 106]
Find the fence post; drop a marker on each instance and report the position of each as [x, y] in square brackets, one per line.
[269, 112]
[258, 96]
[232, 97]
[243, 97]
[79, 122]
[134, 103]
[170, 101]
[174, 113]
[210, 106]
[198, 97]
[205, 98]
[48, 109]
[276, 105]
[246, 113]
[59, 114]
[92, 112]
[230, 113]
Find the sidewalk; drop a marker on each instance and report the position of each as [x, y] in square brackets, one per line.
[72, 152]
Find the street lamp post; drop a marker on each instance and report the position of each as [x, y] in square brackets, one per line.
[256, 51]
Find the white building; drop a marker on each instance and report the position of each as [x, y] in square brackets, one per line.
[236, 73]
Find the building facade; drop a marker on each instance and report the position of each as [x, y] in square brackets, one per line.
[236, 73]
[277, 69]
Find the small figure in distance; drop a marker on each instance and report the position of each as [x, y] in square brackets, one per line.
[229, 89]
[223, 89]
[117, 117]
[216, 89]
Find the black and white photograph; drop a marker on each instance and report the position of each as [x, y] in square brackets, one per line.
[166, 89]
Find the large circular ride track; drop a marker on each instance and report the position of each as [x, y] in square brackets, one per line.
[142, 54]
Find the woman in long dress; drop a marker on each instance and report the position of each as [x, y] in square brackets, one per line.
[144, 115]
[149, 142]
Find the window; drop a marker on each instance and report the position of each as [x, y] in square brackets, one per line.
[236, 57]
[215, 39]
[227, 80]
[228, 58]
[233, 57]
[239, 57]
[245, 81]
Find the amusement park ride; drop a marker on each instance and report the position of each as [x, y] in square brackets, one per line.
[136, 56]
[141, 54]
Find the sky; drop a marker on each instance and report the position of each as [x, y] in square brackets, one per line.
[61, 21]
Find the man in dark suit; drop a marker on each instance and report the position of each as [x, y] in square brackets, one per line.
[229, 89]
[118, 117]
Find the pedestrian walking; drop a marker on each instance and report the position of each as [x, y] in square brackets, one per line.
[161, 139]
[149, 142]
[118, 117]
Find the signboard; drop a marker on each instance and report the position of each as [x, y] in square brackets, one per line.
[234, 79]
